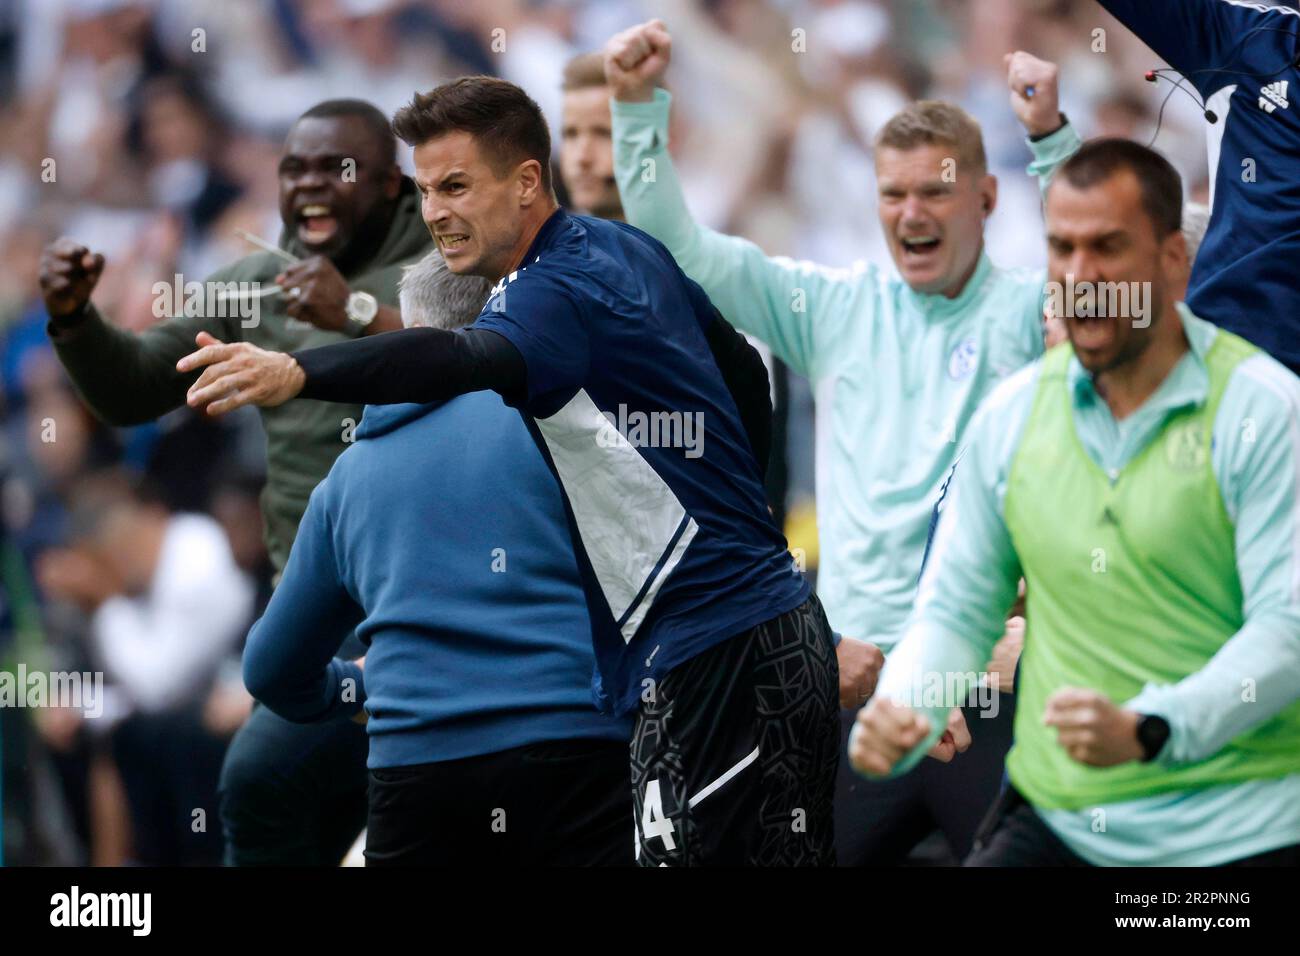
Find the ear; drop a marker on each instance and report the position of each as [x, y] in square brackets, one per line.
[989, 189]
[1173, 254]
[529, 177]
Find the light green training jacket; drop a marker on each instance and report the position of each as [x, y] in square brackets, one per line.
[896, 375]
[1243, 690]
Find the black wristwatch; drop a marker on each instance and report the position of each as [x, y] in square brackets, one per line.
[1152, 733]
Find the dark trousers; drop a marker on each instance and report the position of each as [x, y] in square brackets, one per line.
[293, 794]
[879, 822]
[555, 803]
[1015, 835]
[169, 765]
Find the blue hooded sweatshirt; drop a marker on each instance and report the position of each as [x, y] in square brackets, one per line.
[440, 536]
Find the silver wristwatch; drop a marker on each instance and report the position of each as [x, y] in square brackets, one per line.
[362, 308]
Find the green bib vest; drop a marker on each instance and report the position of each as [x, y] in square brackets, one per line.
[1127, 582]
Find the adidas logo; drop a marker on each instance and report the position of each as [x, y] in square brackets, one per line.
[1273, 96]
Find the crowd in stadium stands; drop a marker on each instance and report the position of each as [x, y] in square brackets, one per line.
[151, 131]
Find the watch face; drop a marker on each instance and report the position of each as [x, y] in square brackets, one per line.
[362, 307]
[1152, 732]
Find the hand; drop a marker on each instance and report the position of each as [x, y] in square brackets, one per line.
[1006, 654]
[1092, 729]
[227, 707]
[322, 293]
[635, 61]
[1040, 114]
[860, 664]
[68, 274]
[73, 574]
[361, 716]
[954, 740]
[239, 374]
[882, 734]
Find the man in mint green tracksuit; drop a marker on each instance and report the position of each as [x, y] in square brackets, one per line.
[897, 368]
[1143, 479]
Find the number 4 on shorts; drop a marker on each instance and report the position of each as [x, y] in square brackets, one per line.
[653, 821]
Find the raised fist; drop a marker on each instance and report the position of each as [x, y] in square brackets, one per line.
[1039, 113]
[635, 60]
[69, 272]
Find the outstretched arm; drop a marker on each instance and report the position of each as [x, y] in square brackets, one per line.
[411, 365]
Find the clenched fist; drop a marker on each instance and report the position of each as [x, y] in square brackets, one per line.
[635, 61]
[885, 731]
[69, 272]
[316, 293]
[860, 663]
[1092, 728]
[1040, 114]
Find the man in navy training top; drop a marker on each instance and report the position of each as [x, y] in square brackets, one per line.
[700, 622]
[1242, 59]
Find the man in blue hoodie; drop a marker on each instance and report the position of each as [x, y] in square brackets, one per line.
[485, 743]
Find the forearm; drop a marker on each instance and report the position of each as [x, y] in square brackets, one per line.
[1250, 679]
[387, 319]
[125, 378]
[411, 365]
[305, 695]
[288, 659]
[756, 293]
[1050, 152]
[652, 196]
[932, 670]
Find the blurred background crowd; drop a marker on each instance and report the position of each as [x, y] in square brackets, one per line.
[150, 130]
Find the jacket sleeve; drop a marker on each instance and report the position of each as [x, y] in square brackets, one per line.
[289, 662]
[1200, 35]
[127, 378]
[794, 307]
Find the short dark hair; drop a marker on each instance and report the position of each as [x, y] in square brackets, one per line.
[374, 118]
[1162, 189]
[504, 121]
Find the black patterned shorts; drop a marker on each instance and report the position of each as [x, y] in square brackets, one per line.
[734, 757]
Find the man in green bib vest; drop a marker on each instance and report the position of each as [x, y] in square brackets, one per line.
[1143, 478]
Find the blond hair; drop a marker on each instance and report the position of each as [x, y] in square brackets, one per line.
[934, 122]
[584, 71]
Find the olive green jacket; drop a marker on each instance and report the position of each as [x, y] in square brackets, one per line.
[129, 378]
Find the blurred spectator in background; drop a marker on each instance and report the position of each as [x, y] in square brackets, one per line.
[166, 603]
